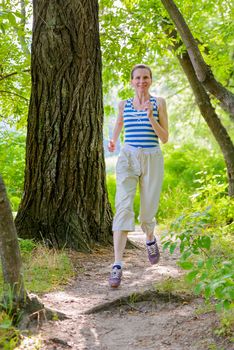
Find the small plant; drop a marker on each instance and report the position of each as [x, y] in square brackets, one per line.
[26, 245]
[133, 298]
[174, 285]
[226, 326]
[199, 235]
[9, 335]
[208, 273]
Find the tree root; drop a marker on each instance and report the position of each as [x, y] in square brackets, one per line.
[130, 300]
[34, 313]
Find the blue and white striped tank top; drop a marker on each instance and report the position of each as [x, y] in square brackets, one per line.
[137, 127]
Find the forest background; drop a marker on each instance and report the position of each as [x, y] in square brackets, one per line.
[195, 207]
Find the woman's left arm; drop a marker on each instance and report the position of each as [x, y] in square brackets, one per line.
[161, 127]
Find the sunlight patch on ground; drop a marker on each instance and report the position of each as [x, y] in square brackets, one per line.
[30, 343]
[167, 270]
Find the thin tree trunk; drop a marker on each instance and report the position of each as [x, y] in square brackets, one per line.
[9, 251]
[15, 296]
[203, 71]
[65, 199]
[208, 112]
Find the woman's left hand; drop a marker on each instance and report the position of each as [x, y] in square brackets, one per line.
[148, 107]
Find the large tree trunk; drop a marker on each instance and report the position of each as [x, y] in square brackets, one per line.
[208, 112]
[65, 199]
[9, 251]
[203, 71]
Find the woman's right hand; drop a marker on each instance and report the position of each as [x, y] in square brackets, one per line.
[111, 146]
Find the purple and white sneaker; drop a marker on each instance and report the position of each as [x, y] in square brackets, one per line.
[153, 252]
[115, 277]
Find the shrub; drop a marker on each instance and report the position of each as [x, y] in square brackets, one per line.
[200, 232]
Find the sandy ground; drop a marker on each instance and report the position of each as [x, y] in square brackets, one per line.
[103, 319]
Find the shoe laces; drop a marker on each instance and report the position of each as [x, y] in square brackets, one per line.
[116, 273]
[152, 249]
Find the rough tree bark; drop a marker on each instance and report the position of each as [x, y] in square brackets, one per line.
[65, 200]
[203, 71]
[9, 251]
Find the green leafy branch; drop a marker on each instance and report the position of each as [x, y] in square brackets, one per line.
[210, 275]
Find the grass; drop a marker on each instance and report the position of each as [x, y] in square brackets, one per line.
[177, 285]
[47, 269]
[44, 269]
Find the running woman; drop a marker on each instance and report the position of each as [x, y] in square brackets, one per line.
[145, 122]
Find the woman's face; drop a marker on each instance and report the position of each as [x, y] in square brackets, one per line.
[141, 80]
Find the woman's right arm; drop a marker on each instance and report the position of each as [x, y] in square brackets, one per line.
[118, 127]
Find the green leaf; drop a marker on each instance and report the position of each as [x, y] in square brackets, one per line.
[2, 27]
[205, 242]
[11, 19]
[5, 324]
[182, 246]
[191, 275]
[166, 245]
[200, 264]
[185, 255]
[219, 292]
[207, 292]
[203, 276]
[186, 265]
[198, 288]
[231, 293]
[226, 304]
[209, 263]
[173, 247]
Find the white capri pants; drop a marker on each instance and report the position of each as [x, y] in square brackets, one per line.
[145, 166]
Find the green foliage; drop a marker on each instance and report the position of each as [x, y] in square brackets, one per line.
[26, 246]
[9, 318]
[14, 61]
[111, 186]
[135, 33]
[12, 160]
[9, 335]
[226, 325]
[212, 25]
[184, 165]
[203, 236]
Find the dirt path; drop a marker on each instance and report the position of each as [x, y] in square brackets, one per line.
[105, 319]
